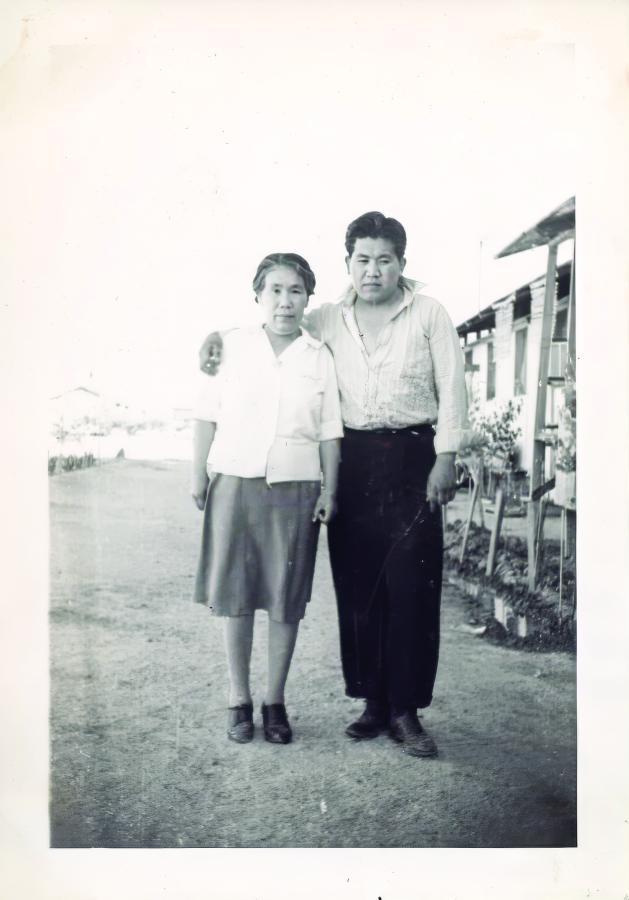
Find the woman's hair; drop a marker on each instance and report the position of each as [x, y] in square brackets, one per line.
[292, 261]
[376, 225]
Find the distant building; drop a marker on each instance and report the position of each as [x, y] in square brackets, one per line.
[80, 408]
[501, 349]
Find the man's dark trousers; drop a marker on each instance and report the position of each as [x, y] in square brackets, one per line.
[386, 552]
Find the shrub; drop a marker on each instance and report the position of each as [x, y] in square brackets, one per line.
[69, 463]
[510, 577]
[496, 432]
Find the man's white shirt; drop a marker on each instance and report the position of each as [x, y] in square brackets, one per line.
[414, 376]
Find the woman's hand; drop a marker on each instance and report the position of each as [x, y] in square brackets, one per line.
[325, 508]
[210, 353]
[198, 489]
[330, 455]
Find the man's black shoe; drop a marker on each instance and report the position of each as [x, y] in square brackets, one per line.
[368, 725]
[406, 730]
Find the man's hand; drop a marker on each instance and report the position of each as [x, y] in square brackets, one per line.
[198, 489]
[324, 508]
[210, 354]
[441, 486]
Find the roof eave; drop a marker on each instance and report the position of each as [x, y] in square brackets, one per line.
[558, 226]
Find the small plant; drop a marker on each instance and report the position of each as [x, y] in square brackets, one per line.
[566, 444]
[495, 433]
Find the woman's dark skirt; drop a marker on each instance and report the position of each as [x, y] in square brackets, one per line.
[258, 547]
[386, 551]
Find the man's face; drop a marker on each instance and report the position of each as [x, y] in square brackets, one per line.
[375, 269]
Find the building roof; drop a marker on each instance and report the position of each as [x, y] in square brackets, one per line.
[74, 391]
[486, 318]
[556, 226]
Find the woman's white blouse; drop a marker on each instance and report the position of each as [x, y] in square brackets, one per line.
[270, 412]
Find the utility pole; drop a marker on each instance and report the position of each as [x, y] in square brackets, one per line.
[480, 270]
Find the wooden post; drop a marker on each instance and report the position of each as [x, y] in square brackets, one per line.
[571, 367]
[481, 481]
[539, 537]
[567, 541]
[470, 513]
[571, 373]
[571, 525]
[532, 512]
[562, 547]
[571, 534]
[546, 339]
[539, 443]
[495, 531]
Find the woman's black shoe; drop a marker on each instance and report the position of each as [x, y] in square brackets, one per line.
[277, 729]
[240, 723]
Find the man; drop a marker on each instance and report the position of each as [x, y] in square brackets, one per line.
[404, 407]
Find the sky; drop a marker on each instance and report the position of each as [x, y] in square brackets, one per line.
[169, 147]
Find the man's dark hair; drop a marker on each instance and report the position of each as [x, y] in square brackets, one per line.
[376, 225]
[293, 261]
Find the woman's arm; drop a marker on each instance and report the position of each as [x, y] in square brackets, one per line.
[330, 455]
[203, 435]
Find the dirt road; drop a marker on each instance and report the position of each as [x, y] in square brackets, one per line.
[138, 754]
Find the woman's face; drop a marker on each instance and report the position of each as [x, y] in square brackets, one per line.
[283, 300]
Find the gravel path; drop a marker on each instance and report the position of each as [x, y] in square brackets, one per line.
[138, 752]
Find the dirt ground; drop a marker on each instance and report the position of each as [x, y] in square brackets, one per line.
[139, 756]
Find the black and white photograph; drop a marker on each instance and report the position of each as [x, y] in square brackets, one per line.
[301, 303]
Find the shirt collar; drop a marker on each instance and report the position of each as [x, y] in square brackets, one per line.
[409, 286]
[305, 336]
[310, 340]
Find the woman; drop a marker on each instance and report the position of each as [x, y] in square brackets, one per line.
[267, 428]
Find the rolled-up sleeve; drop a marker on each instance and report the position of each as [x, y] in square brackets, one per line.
[312, 322]
[447, 360]
[331, 426]
[208, 398]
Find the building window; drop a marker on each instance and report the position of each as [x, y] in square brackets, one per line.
[470, 381]
[519, 384]
[558, 360]
[491, 371]
[559, 347]
[560, 332]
